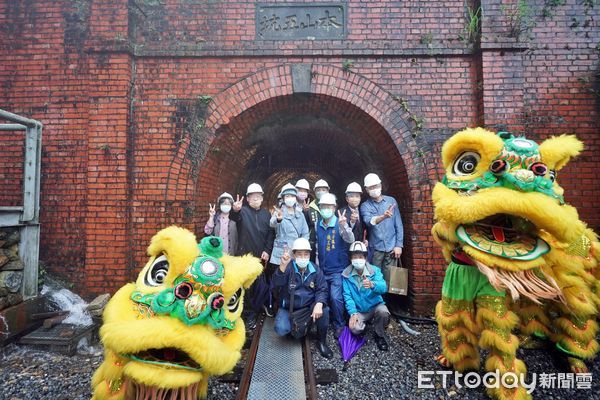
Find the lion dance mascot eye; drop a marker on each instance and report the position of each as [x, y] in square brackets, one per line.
[178, 324]
[519, 257]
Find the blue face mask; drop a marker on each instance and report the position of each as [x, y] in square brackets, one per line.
[327, 213]
[302, 263]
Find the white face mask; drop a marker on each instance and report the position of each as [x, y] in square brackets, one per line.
[289, 201]
[302, 263]
[302, 196]
[359, 264]
[320, 193]
[255, 203]
[225, 208]
[375, 193]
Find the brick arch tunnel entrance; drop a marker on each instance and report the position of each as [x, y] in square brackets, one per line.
[305, 135]
[308, 136]
[312, 121]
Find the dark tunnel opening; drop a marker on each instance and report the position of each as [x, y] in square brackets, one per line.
[309, 136]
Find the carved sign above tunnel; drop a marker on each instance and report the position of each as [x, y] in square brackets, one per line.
[301, 21]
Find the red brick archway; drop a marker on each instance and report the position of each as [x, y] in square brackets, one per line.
[336, 124]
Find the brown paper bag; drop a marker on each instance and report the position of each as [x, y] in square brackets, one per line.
[396, 278]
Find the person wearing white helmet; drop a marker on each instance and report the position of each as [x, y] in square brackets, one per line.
[384, 224]
[334, 236]
[353, 198]
[289, 224]
[303, 296]
[219, 224]
[255, 236]
[313, 215]
[364, 286]
[303, 188]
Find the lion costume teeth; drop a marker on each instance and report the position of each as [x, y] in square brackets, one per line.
[179, 324]
[526, 283]
[504, 226]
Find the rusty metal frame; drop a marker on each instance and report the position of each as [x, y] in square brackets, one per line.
[26, 216]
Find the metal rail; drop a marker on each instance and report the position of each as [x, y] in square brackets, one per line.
[309, 371]
[250, 359]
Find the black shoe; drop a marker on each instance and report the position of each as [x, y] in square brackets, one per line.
[381, 343]
[269, 311]
[250, 324]
[324, 349]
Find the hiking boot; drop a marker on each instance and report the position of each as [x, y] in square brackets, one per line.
[324, 350]
[381, 343]
[250, 324]
[269, 310]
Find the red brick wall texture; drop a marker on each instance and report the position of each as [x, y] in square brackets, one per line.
[151, 108]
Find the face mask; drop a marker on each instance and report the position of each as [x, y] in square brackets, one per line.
[225, 208]
[302, 263]
[359, 263]
[326, 213]
[302, 196]
[375, 193]
[319, 194]
[255, 203]
[290, 202]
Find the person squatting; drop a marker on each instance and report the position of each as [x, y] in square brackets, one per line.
[324, 264]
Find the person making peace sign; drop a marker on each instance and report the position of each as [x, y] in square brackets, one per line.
[220, 225]
[334, 236]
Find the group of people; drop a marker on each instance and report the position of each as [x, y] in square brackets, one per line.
[323, 263]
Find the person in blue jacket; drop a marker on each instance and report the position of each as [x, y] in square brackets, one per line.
[310, 293]
[363, 286]
[382, 218]
[334, 236]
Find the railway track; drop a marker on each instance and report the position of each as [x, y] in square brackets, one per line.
[310, 382]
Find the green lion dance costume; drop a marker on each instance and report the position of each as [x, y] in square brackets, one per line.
[179, 324]
[519, 256]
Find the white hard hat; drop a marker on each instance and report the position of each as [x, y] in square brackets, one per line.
[288, 188]
[353, 188]
[327, 198]
[254, 188]
[302, 184]
[301, 244]
[225, 196]
[321, 183]
[372, 179]
[358, 247]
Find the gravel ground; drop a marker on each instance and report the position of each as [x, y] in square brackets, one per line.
[373, 374]
[27, 374]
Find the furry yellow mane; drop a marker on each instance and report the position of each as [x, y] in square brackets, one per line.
[178, 324]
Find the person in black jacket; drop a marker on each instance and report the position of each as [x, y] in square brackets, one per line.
[309, 299]
[353, 198]
[312, 214]
[255, 236]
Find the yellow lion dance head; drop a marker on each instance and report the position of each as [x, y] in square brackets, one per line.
[178, 324]
[520, 259]
[501, 204]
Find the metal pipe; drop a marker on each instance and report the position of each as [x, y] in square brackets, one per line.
[21, 120]
[12, 127]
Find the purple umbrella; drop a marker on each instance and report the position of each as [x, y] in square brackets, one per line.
[349, 344]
